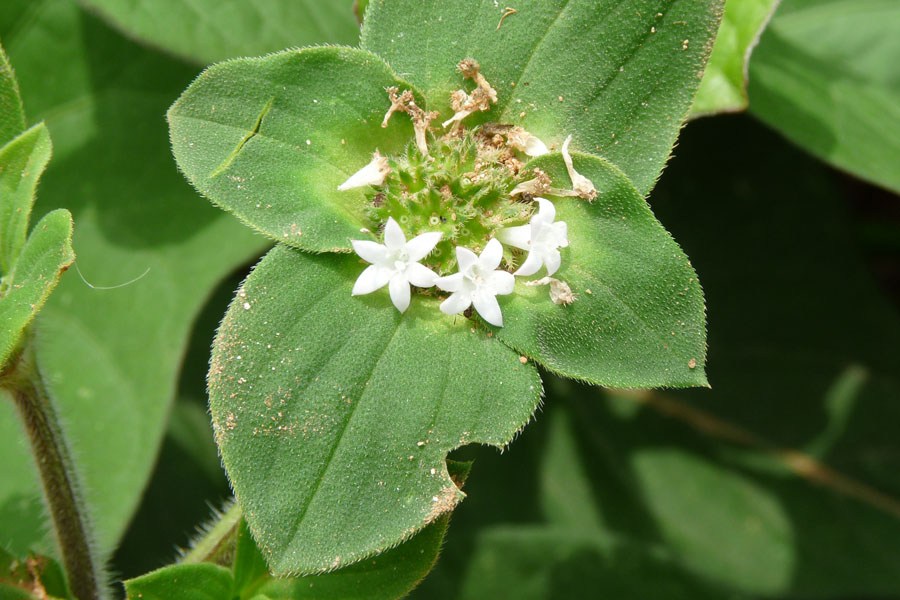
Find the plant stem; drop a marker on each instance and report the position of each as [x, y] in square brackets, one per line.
[216, 540]
[60, 482]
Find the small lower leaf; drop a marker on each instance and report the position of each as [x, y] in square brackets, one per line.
[638, 319]
[203, 581]
[334, 414]
[46, 255]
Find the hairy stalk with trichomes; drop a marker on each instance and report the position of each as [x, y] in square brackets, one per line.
[62, 492]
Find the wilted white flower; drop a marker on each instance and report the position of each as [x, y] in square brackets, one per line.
[477, 283]
[373, 173]
[520, 139]
[581, 185]
[395, 263]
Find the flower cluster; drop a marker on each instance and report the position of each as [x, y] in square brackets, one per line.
[473, 186]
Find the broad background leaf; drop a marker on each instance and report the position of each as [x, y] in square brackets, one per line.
[207, 31]
[45, 257]
[12, 115]
[797, 360]
[334, 414]
[22, 161]
[617, 75]
[724, 85]
[825, 76]
[638, 319]
[111, 355]
[272, 138]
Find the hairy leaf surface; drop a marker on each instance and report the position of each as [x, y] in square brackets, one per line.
[335, 414]
[638, 319]
[271, 139]
[617, 75]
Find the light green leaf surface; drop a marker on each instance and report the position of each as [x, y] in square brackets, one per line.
[206, 31]
[334, 414]
[724, 85]
[22, 161]
[617, 75]
[12, 115]
[111, 356]
[45, 257]
[271, 139]
[638, 320]
[201, 581]
[825, 76]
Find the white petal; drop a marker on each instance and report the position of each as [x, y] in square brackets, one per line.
[502, 283]
[491, 255]
[399, 289]
[546, 210]
[450, 283]
[489, 309]
[561, 234]
[466, 258]
[531, 265]
[552, 259]
[419, 247]
[420, 275]
[517, 237]
[371, 252]
[371, 279]
[456, 303]
[393, 235]
[373, 173]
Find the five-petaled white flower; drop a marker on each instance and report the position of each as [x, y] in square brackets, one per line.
[477, 283]
[541, 237]
[395, 263]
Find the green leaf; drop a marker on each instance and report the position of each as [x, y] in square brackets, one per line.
[724, 84]
[389, 575]
[545, 562]
[824, 75]
[206, 31]
[638, 320]
[22, 162]
[617, 75]
[334, 414]
[111, 356]
[272, 138]
[202, 581]
[46, 256]
[12, 115]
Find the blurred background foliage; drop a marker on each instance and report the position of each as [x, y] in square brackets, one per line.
[782, 481]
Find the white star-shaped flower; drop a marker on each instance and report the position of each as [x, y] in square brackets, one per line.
[477, 283]
[395, 263]
[541, 237]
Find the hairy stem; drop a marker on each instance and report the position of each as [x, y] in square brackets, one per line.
[216, 543]
[54, 463]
